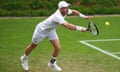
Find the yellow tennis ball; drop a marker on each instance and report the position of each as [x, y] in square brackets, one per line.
[107, 23]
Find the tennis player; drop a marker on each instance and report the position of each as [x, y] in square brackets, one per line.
[47, 28]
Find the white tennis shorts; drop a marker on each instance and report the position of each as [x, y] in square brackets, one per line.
[39, 35]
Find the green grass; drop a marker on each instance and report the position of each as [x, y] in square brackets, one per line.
[15, 35]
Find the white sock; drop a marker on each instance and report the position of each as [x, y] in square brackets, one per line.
[25, 56]
[53, 57]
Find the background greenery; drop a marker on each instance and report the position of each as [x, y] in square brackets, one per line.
[46, 7]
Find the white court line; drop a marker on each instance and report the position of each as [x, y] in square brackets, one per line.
[115, 52]
[99, 49]
[101, 40]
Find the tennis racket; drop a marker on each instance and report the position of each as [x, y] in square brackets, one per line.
[92, 27]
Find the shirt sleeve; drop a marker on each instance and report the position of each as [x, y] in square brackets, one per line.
[69, 11]
[59, 20]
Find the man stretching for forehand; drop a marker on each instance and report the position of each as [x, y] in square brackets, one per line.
[47, 28]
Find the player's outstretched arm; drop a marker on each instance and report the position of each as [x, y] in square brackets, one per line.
[74, 27]
[77, 13]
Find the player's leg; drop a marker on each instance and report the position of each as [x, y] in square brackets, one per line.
[24, 58]
[53, 63]
[52, 36]
[29, 48]
[35, 40]
[56, 45]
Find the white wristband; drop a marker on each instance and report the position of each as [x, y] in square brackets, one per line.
[82, 15]
[79, 28]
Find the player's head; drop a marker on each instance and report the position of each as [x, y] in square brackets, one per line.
[63, 6]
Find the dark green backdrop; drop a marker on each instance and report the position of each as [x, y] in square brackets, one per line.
[46, 7]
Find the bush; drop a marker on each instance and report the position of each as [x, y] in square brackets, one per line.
[4, 12]
[15, 13]
[112, 10]
[47, 7]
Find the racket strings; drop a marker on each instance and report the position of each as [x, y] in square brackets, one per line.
[93, 28]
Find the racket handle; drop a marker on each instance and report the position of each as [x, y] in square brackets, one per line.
[88, 29]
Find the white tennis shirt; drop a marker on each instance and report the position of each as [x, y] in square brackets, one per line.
[53, 21]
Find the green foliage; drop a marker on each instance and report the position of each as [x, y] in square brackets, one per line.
[47, 7]
[112, 10]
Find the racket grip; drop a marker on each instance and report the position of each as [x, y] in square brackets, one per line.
[88, 29]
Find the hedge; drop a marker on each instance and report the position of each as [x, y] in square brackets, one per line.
[47, 7]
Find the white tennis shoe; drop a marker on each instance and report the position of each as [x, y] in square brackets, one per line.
[54, 66]
[24, 60]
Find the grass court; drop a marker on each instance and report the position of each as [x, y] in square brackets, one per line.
[16, 33]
